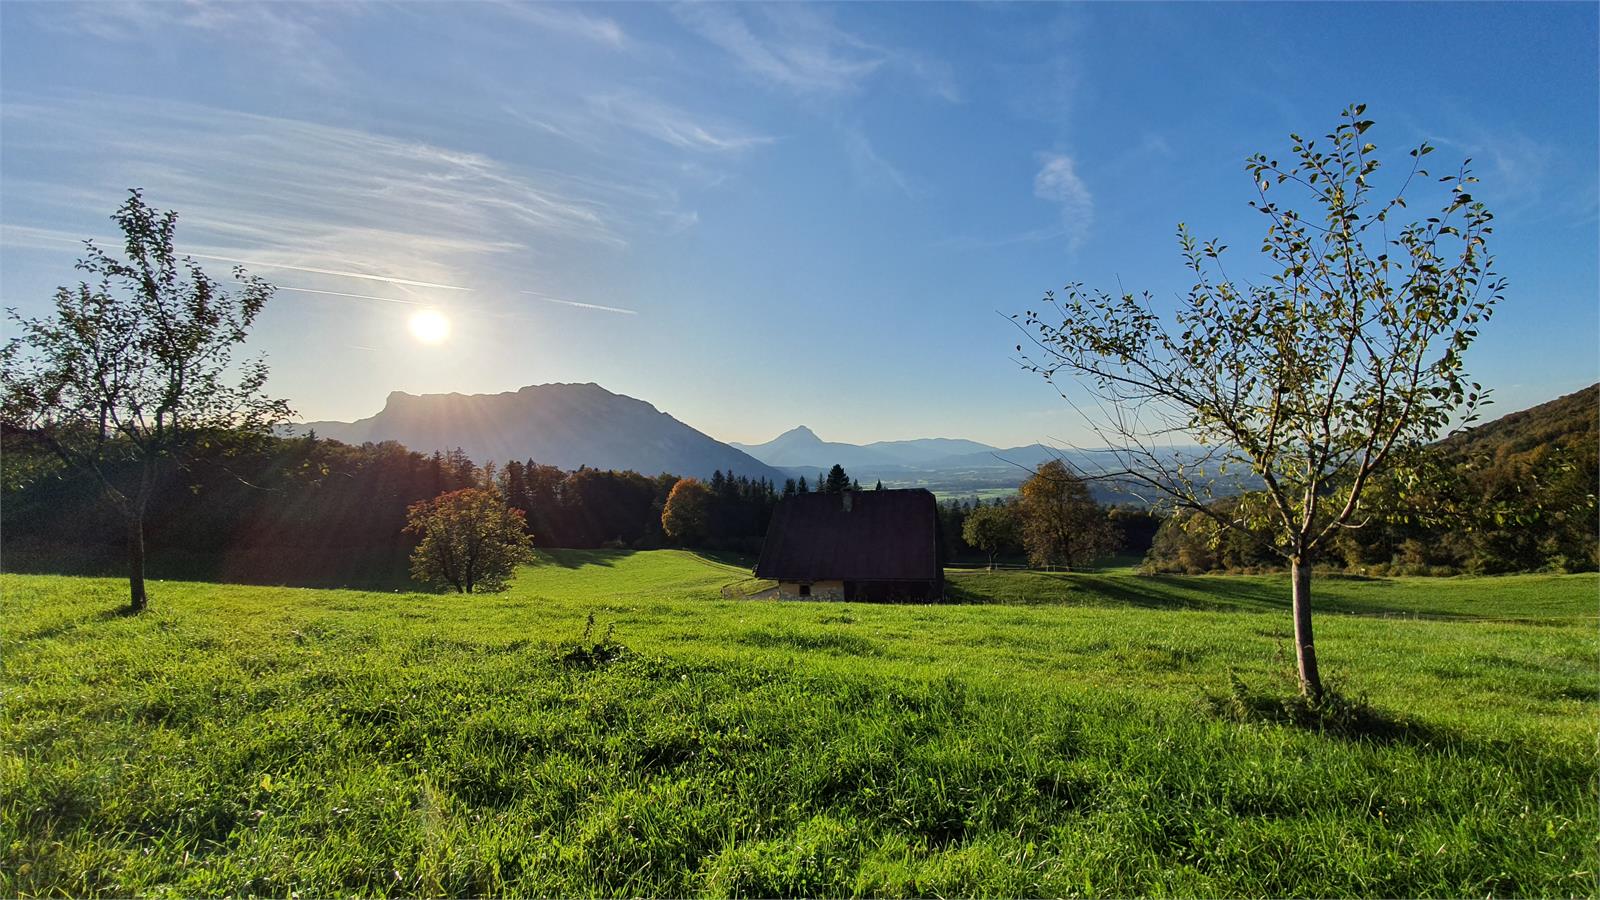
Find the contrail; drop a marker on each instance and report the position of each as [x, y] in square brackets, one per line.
[284, 287]
[549, 299]
[384, 278]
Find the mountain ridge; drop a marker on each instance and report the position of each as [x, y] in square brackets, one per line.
[565, 424]
[799, 450]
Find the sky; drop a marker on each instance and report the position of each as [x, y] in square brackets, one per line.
[757, 217]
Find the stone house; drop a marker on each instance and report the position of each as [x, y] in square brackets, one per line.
[858, 545]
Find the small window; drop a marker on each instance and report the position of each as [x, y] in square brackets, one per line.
[805, 590]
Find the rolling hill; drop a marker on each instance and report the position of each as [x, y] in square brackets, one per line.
[1567, 423]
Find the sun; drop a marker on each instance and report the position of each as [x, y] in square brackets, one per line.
[430, 326]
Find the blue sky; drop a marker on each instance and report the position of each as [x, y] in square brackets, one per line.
[761, 216]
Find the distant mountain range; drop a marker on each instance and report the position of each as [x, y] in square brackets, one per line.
[799, 451]
[572, 425]
[565, 425]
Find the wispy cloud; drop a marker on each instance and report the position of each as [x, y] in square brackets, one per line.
[35, 238]
[292, 194]
[568, 20]
[872, 168]
[816, 61]
[670, 125]
[580, 304]
[1058, 182]
[803, 49]
[279, 24]
[278, 31]
[1523, 177]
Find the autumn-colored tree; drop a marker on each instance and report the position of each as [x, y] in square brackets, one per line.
[1061, 523]
[470, 540]
[992, 529]
[687, 513]
[1325, 374]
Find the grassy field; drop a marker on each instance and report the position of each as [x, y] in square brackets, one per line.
[1055, 735]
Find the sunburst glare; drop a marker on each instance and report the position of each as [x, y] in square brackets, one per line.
[430, 326]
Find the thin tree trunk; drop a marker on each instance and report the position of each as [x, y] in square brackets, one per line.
[137, 599]
[1305, 649]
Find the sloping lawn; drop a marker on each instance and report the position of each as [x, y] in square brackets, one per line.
[1093, 735]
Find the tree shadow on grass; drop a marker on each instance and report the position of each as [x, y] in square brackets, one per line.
[578, 559]
[1144, 591]
[68, 625]
[382, 569]
[1335, 715]
[1344, 717]
[1352, 719]
[1214, 593]
[727, 558]
[1167, 592]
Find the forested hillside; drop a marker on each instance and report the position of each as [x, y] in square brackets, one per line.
[1528, 437]
[1514, 494]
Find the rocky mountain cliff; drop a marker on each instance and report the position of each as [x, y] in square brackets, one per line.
[566, 425]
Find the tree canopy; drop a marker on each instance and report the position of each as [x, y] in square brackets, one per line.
[469, 540]
[1061, 524]
[687, 512]
[1319, 378]
[134, 369]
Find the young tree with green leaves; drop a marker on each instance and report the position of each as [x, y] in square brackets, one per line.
[134, 370]
[993, 530]
[1328, 373]
[470, 540]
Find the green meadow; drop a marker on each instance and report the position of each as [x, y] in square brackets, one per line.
[612, 726]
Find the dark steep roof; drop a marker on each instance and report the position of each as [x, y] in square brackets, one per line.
[884, 536]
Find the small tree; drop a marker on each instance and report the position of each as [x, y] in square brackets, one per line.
[687, 513]
[1061, 524]
[1319, 378]
[470, 540]
[135, 371]
[993, 530]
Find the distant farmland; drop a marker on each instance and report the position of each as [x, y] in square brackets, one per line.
[1095, 734]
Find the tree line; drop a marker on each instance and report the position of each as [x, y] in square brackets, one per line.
[240, 505]
[1053, 523]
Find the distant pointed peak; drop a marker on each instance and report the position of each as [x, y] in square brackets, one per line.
[800, 431]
